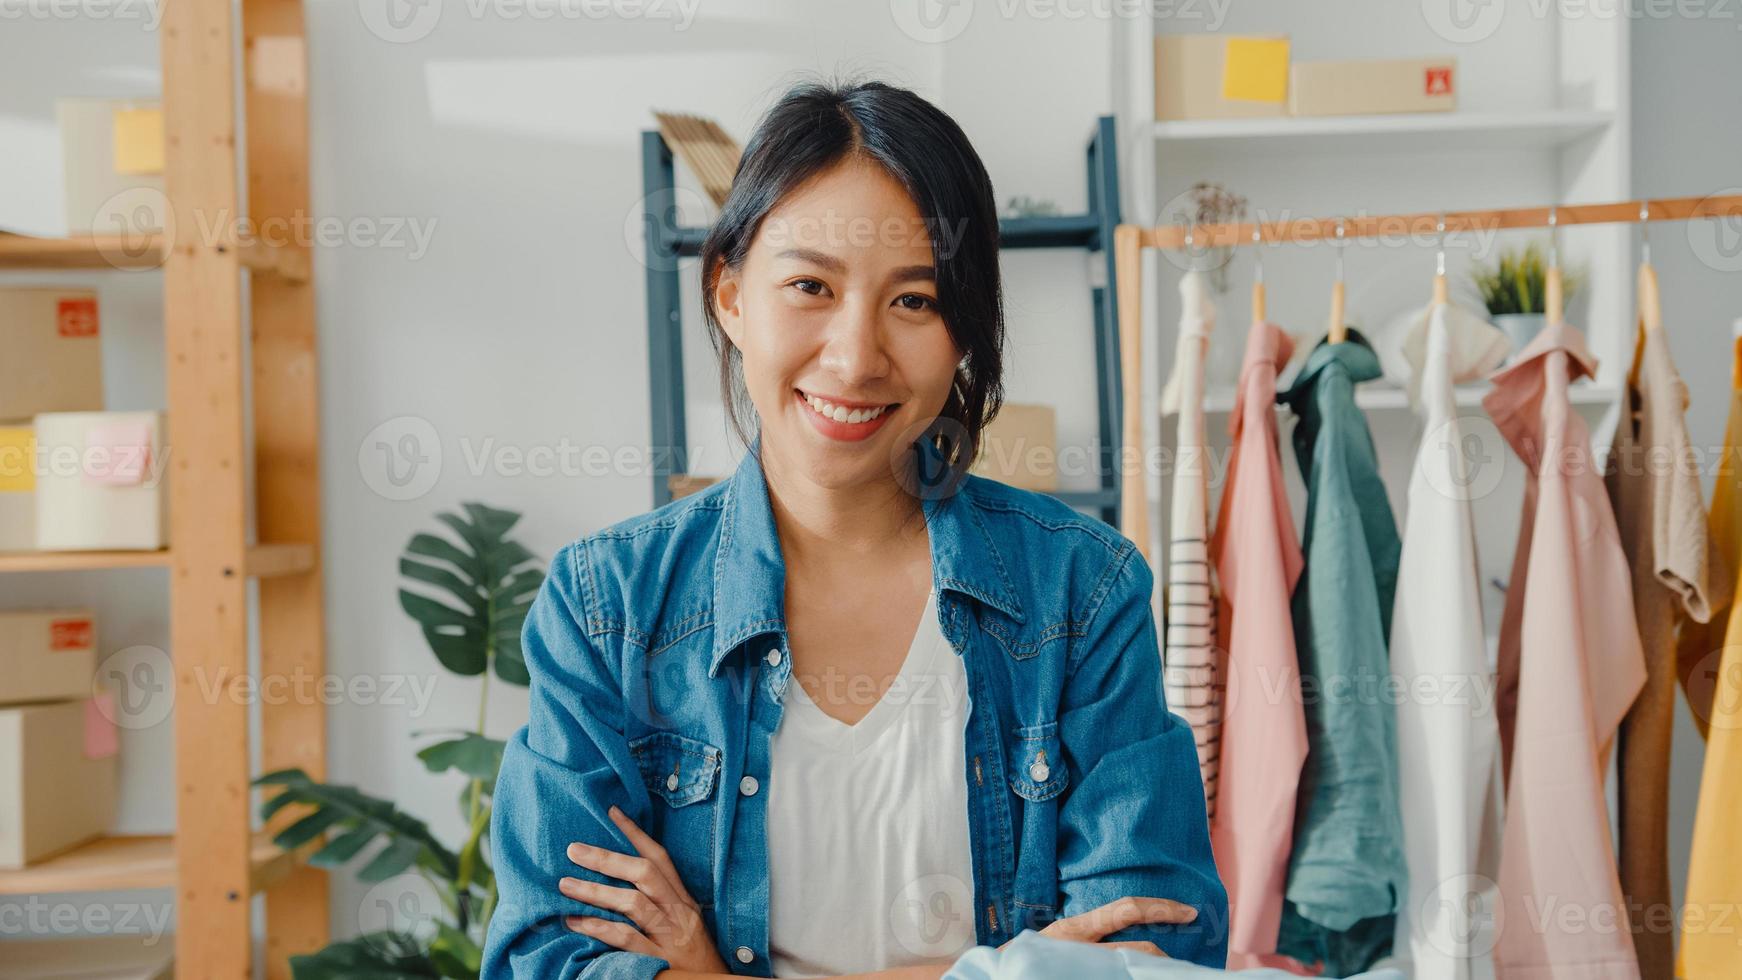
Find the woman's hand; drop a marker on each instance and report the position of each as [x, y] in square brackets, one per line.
[667, 921]
[1090, 926]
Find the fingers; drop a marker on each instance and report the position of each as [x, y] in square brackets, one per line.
[619, 935]
[653, 851]
[1130, 911]
[641, 910]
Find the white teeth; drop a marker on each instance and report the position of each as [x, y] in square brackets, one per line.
[840, 413]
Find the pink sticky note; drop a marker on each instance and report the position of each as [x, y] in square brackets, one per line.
[117, 453]
[101, 738]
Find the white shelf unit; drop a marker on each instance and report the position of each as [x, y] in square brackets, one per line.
[1543, 117]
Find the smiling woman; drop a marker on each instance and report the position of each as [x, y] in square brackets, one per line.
[976, 743]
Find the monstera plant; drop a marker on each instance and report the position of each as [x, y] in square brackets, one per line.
[469, 592]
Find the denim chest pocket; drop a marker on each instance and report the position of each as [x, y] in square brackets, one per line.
[681, 775]
[1024, 641]
[676, 769]
[1037, 763]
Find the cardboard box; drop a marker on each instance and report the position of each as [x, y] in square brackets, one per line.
[47, 655]
[17, 488]
[112, 165]
[57, 778]
[1201, 76]
[50, 357]
[101, 481]
[1020, 448]
[119, 956]
[1347, 88]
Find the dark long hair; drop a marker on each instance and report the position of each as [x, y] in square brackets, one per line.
[813, 127]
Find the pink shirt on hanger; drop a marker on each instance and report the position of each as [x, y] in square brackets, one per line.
[1570, 665]
[1264, 738]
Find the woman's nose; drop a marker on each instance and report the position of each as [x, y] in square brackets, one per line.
[854, 351]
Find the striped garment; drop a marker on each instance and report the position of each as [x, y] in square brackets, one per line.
[1189, 659]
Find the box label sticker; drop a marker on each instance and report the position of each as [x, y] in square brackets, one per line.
[138, 136]
[1439, 81]
[101, 738]
[70, 634]
[1255, 69]
[76, 317]
[117, 454]
[17, 459]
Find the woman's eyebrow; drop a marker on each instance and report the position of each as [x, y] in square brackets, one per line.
[907, 273]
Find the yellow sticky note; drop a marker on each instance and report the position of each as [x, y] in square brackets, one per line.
[17, 459]
[139, 141]
[1255, 69]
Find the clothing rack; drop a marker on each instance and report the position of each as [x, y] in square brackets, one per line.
[1129, 241]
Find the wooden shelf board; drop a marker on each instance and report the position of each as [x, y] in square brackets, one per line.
[81, 252]
[134, 862]
[263, 560]
[1408, 131]
[69, 561]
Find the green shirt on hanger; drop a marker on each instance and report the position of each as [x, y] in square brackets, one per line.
[1347, 873]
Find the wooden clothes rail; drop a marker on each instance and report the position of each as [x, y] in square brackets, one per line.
[1129, 241]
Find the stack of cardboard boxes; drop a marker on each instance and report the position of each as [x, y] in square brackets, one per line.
[73, 477]
[58, 737]
[1216, 76]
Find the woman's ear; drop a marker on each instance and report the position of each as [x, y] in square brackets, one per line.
[728, 308]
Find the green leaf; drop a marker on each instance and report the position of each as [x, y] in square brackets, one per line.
[307, 829]
[472, 597]
[455, 954]
[432, 614]
[511, 667]
[343, 848]
[375, 956]
[463, 653]
[478, 756]
[393, 859]
[358, 811]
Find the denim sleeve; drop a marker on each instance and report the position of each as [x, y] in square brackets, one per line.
[560, 775]
[1134, 821]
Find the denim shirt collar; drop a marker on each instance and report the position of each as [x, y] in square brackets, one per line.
[750, 573]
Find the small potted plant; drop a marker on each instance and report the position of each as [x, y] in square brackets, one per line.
[1513, 288]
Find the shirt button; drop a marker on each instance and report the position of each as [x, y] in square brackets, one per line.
[671, 781]
[1038, 772]
[773, 657]
[747, 786]
[745, 954]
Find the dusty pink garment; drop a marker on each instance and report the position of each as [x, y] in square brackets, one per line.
[1571, 659]
[1264, 738]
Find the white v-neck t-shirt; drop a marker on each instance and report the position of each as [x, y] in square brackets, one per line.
[868, 854]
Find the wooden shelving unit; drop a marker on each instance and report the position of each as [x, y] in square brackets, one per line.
[216, 861]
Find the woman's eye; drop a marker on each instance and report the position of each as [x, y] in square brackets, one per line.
[924, 302]
[803, 285]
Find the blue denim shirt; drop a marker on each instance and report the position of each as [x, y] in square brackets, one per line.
[659, 657]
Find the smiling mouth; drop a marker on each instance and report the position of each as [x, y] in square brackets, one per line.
[842, 413]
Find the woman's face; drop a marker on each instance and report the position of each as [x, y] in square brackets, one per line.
[846, 356]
